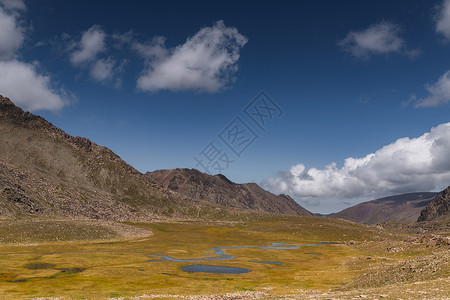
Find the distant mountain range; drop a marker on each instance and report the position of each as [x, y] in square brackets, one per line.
[220, 190]
[48, 173]
[403, 208]
[45, 172]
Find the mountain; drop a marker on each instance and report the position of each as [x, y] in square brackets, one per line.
[218, 189]
[403, 208]
[44, 172]
[438, 209]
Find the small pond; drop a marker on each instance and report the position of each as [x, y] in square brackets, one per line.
[219, 255]
[215, 269]
[266, 262]
[219, 252]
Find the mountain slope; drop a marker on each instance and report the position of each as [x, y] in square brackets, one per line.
[438, 209]
[220, 190]
[45, 172]
[403, 208]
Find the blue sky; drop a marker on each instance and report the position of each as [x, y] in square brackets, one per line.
[363, 87]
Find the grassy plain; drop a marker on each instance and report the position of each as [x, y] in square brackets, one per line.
[97, 261]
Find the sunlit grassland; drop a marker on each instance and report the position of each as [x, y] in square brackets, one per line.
[94, 268]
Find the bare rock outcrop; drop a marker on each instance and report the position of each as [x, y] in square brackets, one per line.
[438, 209]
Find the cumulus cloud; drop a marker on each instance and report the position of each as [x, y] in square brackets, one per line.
[206, 62]
[443, 19]
[378, 39]
[91, 44]
[153, 50]
[406, 165]
[28, 88]
[21, 81]
[439, 93]
[123, 39]
[102, 69]
[11, 35]
[13, 4]
[90, 53]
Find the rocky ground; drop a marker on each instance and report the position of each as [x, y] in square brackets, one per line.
[427, 290]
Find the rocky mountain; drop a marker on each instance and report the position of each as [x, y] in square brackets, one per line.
[220, 190]
[45, 172]
[403, 208]
[438, 209]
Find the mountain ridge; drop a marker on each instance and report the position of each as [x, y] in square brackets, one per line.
[403, 208]
[46, 172]
[218, 189]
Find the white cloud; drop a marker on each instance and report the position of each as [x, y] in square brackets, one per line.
[204, 63]
[408, 164]
[439, 93]
[21, 81]
[91, 44]
[122, 39]
[378, 39]
[13, 4]
[27, 88]
[102, 69]
[11, 35]
[443, 19]
[91, 53]
[154, 50]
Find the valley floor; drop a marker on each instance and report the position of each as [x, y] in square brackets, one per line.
[54, 259]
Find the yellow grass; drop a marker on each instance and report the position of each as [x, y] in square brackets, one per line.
[99, 269]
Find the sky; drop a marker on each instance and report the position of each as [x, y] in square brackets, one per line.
[330, 102]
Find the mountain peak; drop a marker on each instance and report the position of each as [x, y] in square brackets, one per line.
[20, 117]
[97, 183]
[8, 108]
[398, 208]
[46, 172]
[218, 189]
[224, 178]
[6, 101]
[438, 208]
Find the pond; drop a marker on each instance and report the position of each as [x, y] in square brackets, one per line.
[266, 262]
[215, 269]
[219, 251]
[220, 256]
